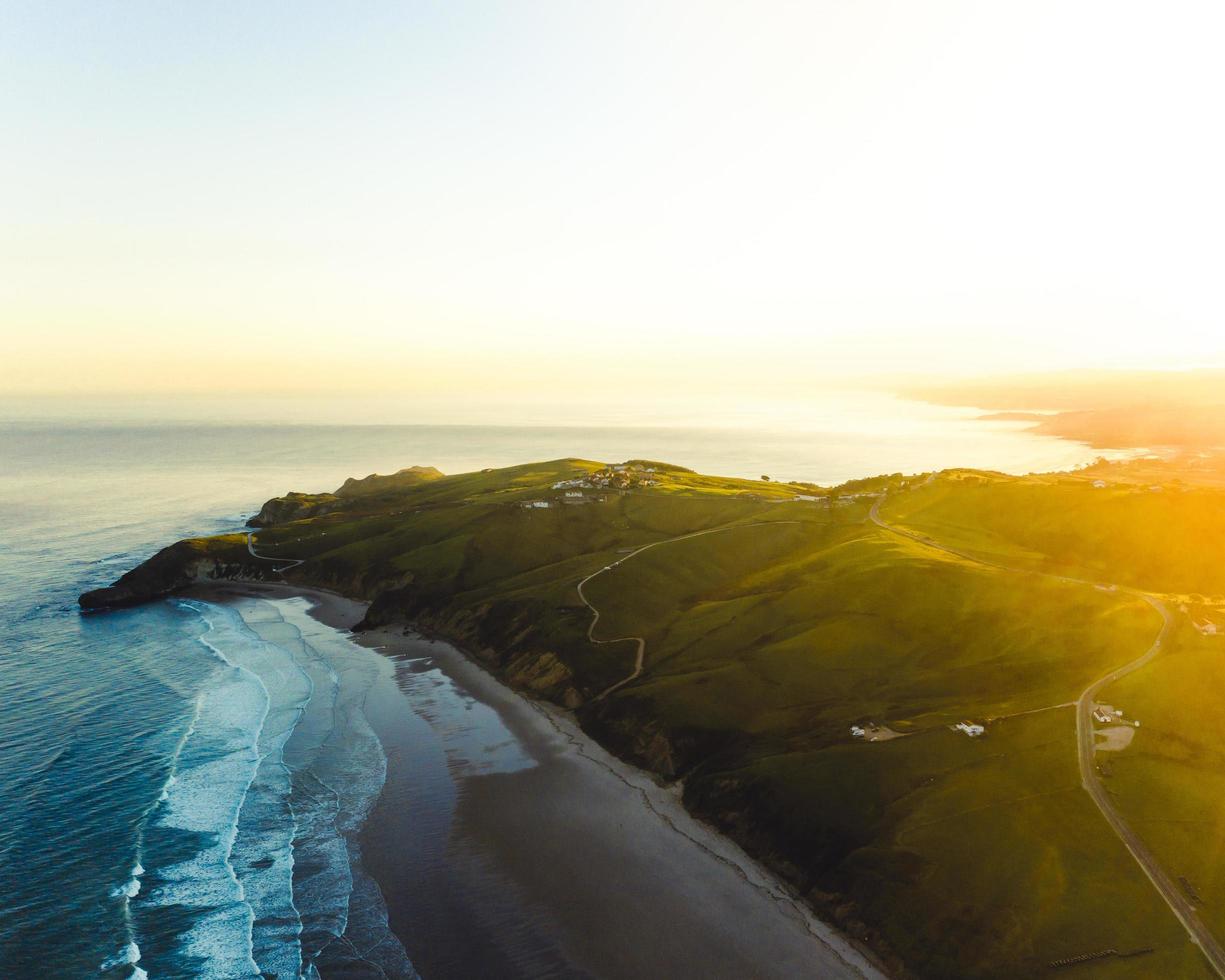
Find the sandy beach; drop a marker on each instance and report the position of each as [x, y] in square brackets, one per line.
[507, 843]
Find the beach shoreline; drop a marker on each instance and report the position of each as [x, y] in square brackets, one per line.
[612, 875]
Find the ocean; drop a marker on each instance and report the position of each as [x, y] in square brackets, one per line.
[181, 790]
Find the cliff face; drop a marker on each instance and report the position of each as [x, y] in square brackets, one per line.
[503, 634]
[175, 568]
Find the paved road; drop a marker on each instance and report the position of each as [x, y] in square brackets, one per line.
[642, 643]
[1174, 897]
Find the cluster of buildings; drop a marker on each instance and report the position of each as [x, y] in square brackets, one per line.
[569, 497]
[849, 498]
[1107, 714]
[841, 499]
[621, 477]
[970, 728]
[872, 732]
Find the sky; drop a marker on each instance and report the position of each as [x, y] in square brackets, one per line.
[532, 200]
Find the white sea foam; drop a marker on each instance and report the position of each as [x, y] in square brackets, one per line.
[263, 853]
[128, 955]
[214, 768]
[129, 889]
[275, 774]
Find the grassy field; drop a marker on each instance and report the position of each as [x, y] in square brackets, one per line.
[1168, 539]
[975, 857]
[775, 624]
[1170, 782]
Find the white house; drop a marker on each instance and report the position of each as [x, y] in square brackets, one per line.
[970, 728]
[1099, 484]
[806, 496]
[856, 731]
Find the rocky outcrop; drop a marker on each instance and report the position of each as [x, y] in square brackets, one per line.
[173, 569]
[410, 476]
[294, 507]
[544, 675]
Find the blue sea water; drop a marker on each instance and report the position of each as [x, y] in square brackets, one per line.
[179, 796]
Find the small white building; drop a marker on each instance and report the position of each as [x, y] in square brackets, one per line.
[970, 728]
[571, 494]
[1099, 484]
[1207, 628]
[806, 496]
[856, 731]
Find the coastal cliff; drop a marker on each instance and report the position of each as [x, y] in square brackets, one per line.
[732, 636]
[176, 568]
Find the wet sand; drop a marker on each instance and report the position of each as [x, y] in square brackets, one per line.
[506, 843]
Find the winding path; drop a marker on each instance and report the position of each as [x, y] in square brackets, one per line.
[641, 641]
[1179, 904]
[289, 562]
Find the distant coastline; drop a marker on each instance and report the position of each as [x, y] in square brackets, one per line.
[1172, 411]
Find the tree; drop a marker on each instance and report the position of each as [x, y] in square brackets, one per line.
[765, 478]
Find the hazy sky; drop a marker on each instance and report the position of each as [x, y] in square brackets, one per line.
[442, 197]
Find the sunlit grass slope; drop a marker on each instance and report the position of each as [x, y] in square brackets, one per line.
[1163, 537]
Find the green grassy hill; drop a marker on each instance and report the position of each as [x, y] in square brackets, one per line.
[1165, 537]
[773, 624]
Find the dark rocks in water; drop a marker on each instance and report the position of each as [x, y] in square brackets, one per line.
[112, 597]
